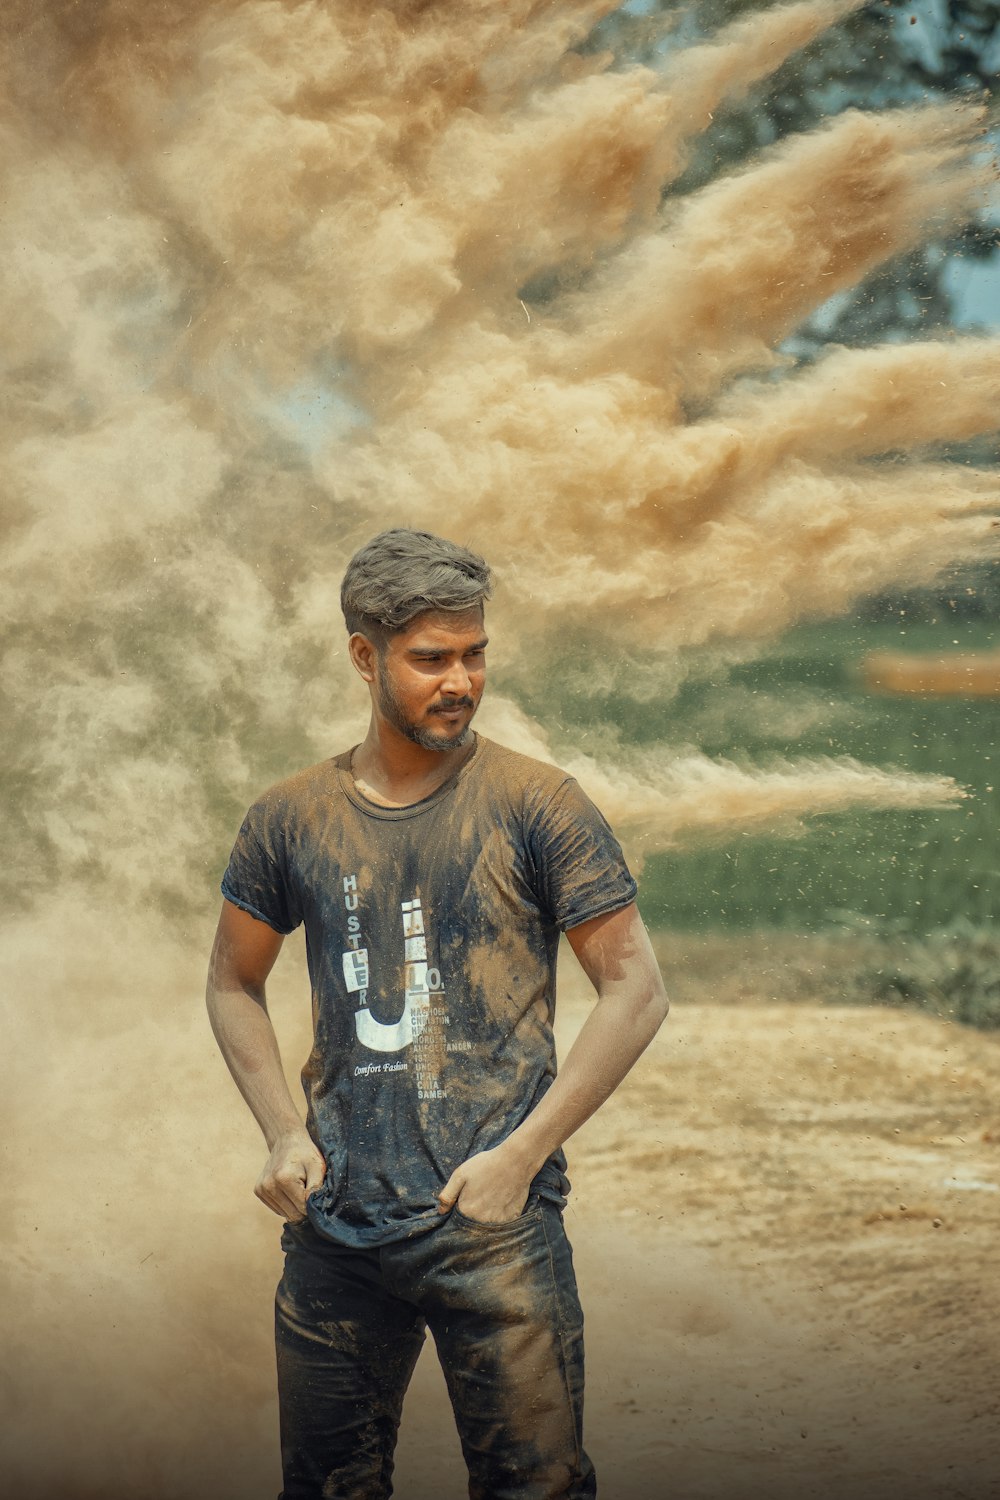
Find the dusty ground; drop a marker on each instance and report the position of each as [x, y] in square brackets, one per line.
[786, 1230]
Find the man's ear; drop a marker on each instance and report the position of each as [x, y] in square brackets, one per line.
[363, 654]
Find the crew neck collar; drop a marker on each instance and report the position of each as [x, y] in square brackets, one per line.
[412, 809]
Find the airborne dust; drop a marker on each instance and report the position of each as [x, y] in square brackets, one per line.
[268, 272]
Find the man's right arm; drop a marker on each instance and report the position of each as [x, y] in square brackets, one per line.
[243, 956]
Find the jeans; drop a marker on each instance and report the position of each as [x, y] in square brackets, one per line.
[501, 1303]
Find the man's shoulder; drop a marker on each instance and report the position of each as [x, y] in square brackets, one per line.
[301, 789]
[521, 776]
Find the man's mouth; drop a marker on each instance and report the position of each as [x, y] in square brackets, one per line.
[452, 710]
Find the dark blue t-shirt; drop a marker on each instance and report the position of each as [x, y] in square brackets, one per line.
[431, 935]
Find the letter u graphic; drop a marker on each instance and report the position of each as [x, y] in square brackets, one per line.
[393, 1036]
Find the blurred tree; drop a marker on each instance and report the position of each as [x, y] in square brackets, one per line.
[887, 53]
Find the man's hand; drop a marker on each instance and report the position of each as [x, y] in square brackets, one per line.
[491, 1186]
[293, 1170]
[244, 953]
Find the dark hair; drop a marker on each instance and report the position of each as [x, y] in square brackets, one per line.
[400, 574]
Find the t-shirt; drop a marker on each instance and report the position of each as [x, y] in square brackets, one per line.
[431, 936]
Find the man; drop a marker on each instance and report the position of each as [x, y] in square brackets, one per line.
[433, 871]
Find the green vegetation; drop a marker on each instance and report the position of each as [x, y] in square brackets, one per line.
[892, 907]
[803, 697]
[953, 971]
[919, 870]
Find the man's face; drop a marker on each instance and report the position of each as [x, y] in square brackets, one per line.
[430, 678]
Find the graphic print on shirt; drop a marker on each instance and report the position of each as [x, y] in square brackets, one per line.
[424, 1017]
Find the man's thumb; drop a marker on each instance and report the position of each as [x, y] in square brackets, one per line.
[315, 1174]
[448, 1195]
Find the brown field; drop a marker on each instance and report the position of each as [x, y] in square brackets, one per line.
[786, 1230]
[786, 1226]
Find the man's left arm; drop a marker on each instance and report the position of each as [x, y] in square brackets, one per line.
[615, 953]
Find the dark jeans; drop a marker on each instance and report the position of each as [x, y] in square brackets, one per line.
[501, 1303]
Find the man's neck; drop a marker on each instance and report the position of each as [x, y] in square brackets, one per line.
[393, 771]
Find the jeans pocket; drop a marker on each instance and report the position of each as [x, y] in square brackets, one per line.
[531, 1211]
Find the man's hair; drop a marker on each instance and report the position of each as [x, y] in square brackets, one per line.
[401, 574]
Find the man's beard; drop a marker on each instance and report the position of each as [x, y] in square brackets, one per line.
[393, 711]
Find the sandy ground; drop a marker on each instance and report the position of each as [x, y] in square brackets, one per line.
[786, 1229]
[786, 1233]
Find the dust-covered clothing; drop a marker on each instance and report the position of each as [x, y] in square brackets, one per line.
[431, 933]
[501, 1303]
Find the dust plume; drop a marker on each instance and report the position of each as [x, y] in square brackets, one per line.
[653, 806]
[279, 274]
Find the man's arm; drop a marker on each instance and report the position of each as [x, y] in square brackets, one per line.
[617, 956]
[243, 956]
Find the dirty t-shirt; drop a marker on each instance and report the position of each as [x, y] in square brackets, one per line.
[431, 935]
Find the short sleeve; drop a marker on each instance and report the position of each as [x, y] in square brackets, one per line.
[580, 870]
[257, 878]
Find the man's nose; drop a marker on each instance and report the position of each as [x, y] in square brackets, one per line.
[456, 681]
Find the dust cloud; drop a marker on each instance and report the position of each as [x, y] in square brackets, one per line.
[277, 275]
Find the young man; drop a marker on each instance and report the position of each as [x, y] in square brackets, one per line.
[434, 871]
